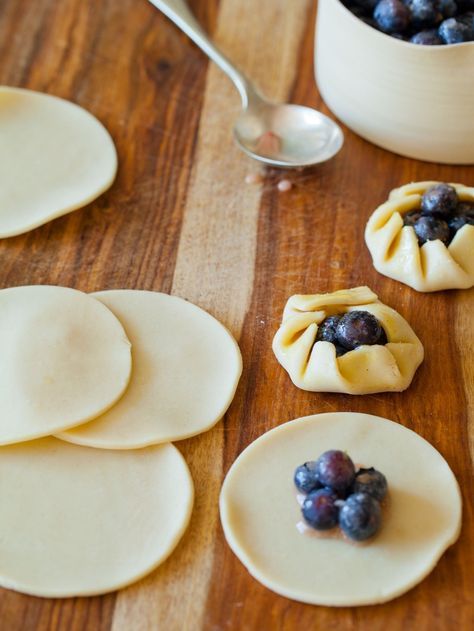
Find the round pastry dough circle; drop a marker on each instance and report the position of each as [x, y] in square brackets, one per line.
[186, 367]
[54, 158]
[77, 521]
[396, 253]
[259, 512]
[65, 359]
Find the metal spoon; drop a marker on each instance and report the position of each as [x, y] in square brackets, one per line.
[280, 135]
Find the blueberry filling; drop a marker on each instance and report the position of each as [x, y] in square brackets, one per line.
[351, 330]
[423, 22]
[337, 494]
[440, 216]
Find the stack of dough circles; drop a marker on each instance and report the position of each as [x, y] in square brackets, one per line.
[259, 512]
[186, 367]
[65, 359]
[54, 158]
[396, 253]
[314, 366]
[76, 521]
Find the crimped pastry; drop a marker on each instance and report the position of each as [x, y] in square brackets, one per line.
[396, 253]
[314, 366]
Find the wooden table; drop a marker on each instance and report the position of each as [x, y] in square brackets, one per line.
[180, 219]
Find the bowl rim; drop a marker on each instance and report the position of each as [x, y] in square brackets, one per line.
[436, 49]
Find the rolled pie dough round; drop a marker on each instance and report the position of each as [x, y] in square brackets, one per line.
[259, 512]
[76, 521]
[65, 359]
[314, 366]
[186, 367]
[396, 253]
[54, 157]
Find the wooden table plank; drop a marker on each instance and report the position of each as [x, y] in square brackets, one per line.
[180, 219]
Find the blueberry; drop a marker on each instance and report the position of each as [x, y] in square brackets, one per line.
[306, 479]
[447, 8]
[427, 38]
[383, 338]
[430, 229]
[327, 329]
[392, 16]
[458, 221]
[465, 208]
[319, 509]
[372, 482]
[440, 199]
[452, 31]
[423, 13]
[335, 470]
[357, 328]
[468, 19]
[410, 218]
[360, 517]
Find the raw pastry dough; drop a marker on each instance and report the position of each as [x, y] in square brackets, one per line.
[367, 369]
[65, 359]
[396, 253]
[259, 512]
[186, 367]
[54, 157]
[76, 521]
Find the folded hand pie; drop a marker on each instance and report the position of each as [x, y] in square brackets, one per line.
[314, 365]
[433, 266]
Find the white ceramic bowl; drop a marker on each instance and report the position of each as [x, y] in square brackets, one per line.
[417, 101]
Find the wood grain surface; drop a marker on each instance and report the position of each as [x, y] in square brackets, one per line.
[181, 219]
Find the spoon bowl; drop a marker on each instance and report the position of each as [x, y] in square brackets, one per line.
[285, 135]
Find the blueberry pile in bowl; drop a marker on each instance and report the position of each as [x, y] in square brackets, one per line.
[440, 216]
[424, 22]
[351, 330]
[337, 494]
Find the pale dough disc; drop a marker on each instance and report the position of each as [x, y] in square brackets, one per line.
[259, 511]
[186, 367]
[64, 360]
[76, 521]
[54, 157]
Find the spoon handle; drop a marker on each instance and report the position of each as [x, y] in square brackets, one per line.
[179, 13]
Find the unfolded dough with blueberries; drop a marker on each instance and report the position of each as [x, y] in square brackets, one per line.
[76, 521]
[54, 158]
[259, 512]
[396, 253]
[65, 358]
[186, 367]
[313, 365]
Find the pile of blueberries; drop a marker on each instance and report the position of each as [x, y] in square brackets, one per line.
[441, 215]
[351, 330]
[426, 22]
[337, 494]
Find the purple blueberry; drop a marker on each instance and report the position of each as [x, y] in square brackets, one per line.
[366, 5]
[427, 38]
[327, 329]
[392, 16]
[410, 218]
[447, 8]
[440, 199]
[306, 479]
[423, 13]
[458, 221]
[357, 328]
[372, 482]
[335, 470]
[320, 510]
[468, 19]
[452, 31]
[360, 517]
[340, 350]
[431, 229]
